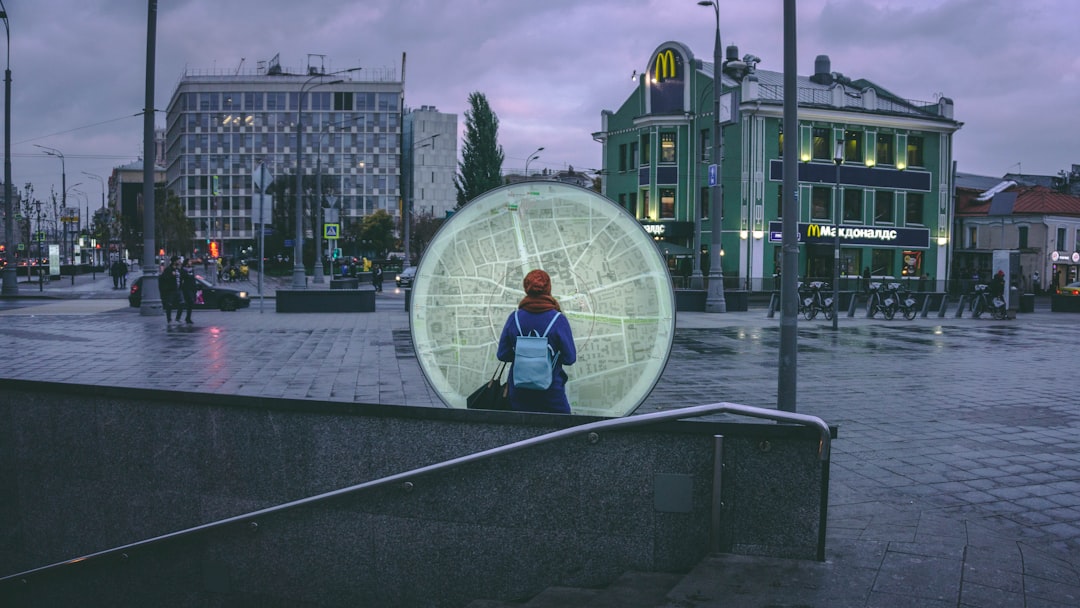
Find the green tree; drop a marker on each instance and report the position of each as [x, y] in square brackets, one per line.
[175, 231]
[376, 233]
[480, 168]
[424, 227]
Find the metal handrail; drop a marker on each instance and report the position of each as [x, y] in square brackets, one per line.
[612, 423]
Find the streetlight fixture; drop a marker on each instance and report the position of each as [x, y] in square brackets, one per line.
[407, 220]
[838, 159]
[535, 155]
[714, 299]
[299, 276]
[10, 280]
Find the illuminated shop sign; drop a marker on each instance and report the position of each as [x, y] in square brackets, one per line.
[671, 230]
[666, 81]
[876, 236]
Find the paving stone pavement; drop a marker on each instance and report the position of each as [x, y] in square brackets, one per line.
[955, 477]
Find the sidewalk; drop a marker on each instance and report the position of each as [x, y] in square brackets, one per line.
[955, 478]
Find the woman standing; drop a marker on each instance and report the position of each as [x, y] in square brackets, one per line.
[534, 314]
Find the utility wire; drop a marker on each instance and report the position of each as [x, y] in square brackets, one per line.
[96, 124]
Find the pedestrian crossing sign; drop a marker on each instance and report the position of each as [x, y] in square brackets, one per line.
[331, 231]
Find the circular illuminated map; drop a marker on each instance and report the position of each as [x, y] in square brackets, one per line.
[606, 272]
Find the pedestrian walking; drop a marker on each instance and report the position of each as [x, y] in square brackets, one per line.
[188, 289]
[377, 278]
[169, 287]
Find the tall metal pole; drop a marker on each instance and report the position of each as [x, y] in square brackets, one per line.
[151, 295]
[411, 194]
[10, 280]
[838, 159]
[714, 298]
[789, 274]
[318, 277]
[101, 180]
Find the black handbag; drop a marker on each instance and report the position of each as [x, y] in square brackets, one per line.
[492, 395]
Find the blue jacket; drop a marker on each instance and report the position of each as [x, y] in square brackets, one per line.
[552, 400]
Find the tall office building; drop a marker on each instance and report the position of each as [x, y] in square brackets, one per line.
[222, 124]
[431, 158]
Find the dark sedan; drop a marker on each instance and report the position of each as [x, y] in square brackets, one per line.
[207, 296]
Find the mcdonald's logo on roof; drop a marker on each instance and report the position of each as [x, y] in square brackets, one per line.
[664, 66]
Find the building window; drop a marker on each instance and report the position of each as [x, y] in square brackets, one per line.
[821, 149]
[632, 206]
[913, 209]
[821, 204]
[915, 151]
[622, 200]
[886, 149]
[881, 261]
[1061, 244]
[634, 155]
[853, 146]
[706, 144]
[645, 159]
[667, 203]
[704, 198]
[973, 237]
[853, 205]
[622, 157]
[645, 205]
[1022, 235]
[667, 147]
[884, 207]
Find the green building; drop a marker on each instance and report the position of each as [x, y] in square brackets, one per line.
[892, 190]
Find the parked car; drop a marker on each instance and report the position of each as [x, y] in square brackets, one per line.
[213, 296]
[1072, 289]
[405, 277]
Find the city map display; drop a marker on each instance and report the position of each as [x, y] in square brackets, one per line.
[606, 272]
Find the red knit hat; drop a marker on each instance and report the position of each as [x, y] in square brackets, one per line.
[537, 283]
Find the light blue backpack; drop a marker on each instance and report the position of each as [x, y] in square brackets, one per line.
[534, 359]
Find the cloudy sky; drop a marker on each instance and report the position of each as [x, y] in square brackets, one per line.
[548, 68]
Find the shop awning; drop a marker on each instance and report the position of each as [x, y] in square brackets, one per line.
[672, 250]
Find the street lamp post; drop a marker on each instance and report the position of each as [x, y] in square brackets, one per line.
[714, 299]
[100, 180]
[10, 280]
[838, 159]
[299, 280]
[535, 155]
[407, 219]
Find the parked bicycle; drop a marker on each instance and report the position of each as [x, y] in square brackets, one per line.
[875, 303]
[900, 297]
[981, 301]
[812, 300]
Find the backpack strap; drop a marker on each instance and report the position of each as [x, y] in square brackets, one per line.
[544, 335]
[518, 323]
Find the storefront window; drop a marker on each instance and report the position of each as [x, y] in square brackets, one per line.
[645, 149]
[821, 148]
[645, 205]
[915, 151]
[853, 146]
[886, 149]
[884, 207]
[821, 204]
[913, 208]
[853, 205]
[667, 203]
[881, 262]
[667, 147]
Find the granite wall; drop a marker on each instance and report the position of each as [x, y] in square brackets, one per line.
[85, 469]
